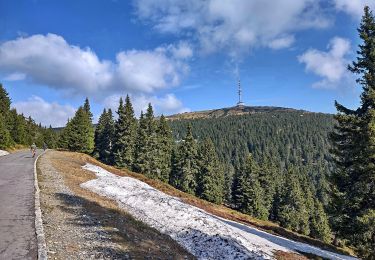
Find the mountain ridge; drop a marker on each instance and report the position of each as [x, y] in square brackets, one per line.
[231, 111]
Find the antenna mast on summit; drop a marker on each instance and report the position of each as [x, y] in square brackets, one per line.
[240, 103]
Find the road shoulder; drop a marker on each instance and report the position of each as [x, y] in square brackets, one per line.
[79, 224]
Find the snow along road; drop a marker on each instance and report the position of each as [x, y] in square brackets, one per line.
[204, 235]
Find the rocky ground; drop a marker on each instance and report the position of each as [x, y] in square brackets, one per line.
[81, 225]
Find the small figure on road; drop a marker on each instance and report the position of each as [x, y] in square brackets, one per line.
[33, 149]
[44, 146]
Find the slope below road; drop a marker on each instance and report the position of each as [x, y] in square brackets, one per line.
[204, 235]
[17, 215]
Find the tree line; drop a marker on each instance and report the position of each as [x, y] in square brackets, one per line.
[146, 146]
[16, 129]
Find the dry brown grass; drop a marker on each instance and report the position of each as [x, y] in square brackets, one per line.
[17, 148]
[139, 240]
[218, 210]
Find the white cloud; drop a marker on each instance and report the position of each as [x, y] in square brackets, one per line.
[50, 60]
[44, 112]
[331, 65]
[354, 7]
[182, 51]
[15, 76]
[282, 42]
[167, 104]
[235, 25]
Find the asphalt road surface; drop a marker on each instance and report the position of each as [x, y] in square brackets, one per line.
[17, 226]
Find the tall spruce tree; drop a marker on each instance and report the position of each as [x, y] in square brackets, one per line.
[81, 133]
[319, 223]
[353, 141]
[141, 163]
[164, 147]
[5, 139]
[251, 200]
[87, 108]
[78, 135]
[125, 132]
[98, 134]
[292, 212]
[210, 176]
[104, 135]
[153, 152]
[4, 101]
[187, 165]
[17, 127]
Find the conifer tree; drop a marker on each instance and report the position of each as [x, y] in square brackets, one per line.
[108, 135]
[64, 136]
[353, 141]
[268, 179]
[153, 154]
[78, 135]
[5, 140]
[228, 183]
[81, 137]
[104, 134]
[125, 131]
[210, 176]
[18, 127]
[319, 223]
[4, 101]
[164, 147]
[238, 179]
[252, 195]
[50, 137]
[292, 212]
[87, 108]
[174, 179]
[186, 169]
[141, 163]
[99, 134]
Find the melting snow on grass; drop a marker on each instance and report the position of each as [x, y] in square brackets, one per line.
[204, 235]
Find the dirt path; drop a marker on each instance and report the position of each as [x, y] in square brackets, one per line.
[79, 224]
[17, 216]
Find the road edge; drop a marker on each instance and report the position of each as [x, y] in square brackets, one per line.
[41, 241]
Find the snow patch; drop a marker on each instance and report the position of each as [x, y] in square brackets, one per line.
[3, 153]
[204, 235]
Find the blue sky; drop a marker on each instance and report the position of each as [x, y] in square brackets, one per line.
[178, 55]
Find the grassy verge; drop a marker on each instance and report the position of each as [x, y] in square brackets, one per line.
[16, 148]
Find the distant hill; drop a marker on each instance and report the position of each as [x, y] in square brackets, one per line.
[231, 111]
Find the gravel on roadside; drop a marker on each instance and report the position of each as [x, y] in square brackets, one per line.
[78, 227]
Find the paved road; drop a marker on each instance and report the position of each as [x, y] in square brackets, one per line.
[17, 227]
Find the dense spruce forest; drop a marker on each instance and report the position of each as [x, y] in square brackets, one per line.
[16, 130]
[290, 139]
[274, 148]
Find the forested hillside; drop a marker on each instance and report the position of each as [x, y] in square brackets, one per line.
[273, 161]
[16, 129]
[290, 139]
